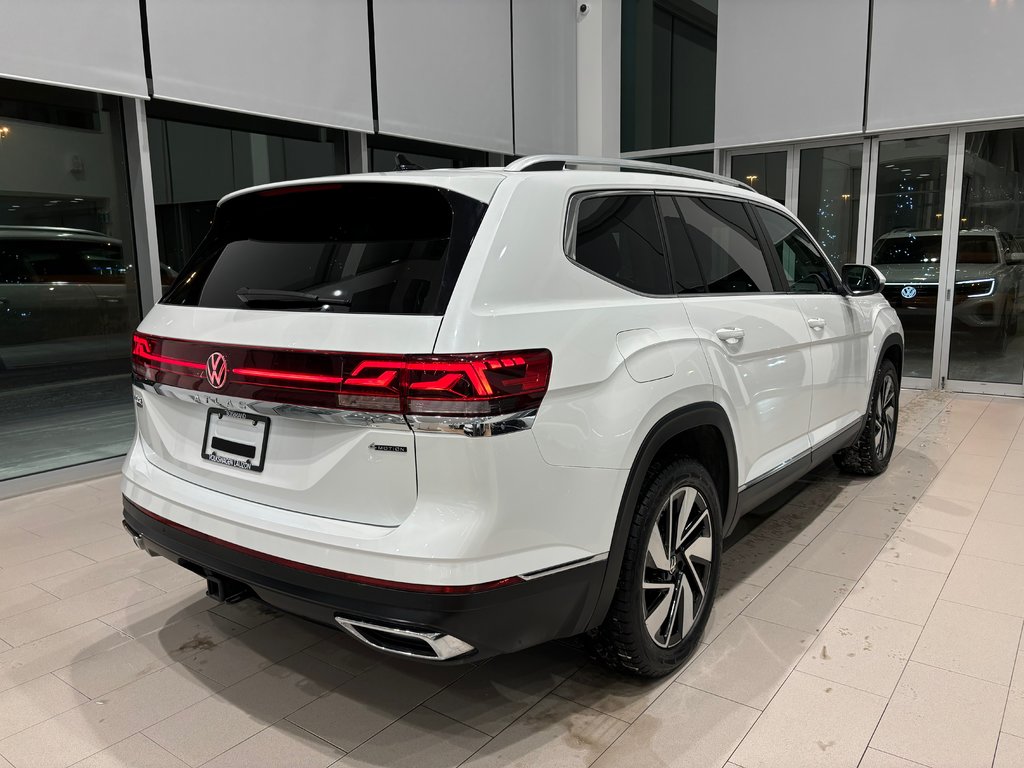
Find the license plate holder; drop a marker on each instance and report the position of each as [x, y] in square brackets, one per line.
[236, 439]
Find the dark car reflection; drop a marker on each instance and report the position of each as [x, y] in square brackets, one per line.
[59, 285]
[988, 283]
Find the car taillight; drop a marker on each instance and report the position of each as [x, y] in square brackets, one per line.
[460, 385]
[485, 384]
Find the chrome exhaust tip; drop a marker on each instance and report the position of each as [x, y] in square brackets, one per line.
[137, 540]
[417, 644]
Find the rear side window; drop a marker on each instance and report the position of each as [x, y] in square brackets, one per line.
[376, 248]
[726, 247]
[804, 267]
[617, 237]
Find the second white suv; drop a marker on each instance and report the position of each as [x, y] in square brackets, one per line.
[460, 413]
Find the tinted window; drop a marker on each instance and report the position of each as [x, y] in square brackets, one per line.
[804, 268]
[686, 276]
[617, 237]
[386, 248]
[726, 247]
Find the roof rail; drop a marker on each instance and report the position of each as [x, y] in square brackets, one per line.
[565, 162]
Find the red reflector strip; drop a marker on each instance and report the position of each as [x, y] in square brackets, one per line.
[437, 589]
[169, 360]
[312, 378]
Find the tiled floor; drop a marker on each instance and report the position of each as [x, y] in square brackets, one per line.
[871, 622]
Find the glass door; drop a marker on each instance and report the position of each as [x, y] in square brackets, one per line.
[906, 240]
[767, 172]
[984, 343]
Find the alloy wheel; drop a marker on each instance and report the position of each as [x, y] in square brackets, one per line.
[677, 567]
[884, 417]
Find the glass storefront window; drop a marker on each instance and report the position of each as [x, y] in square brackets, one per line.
[828, 202]
[985, 339]
[764, 171]
[669, 52]
[384, 151]
[699, 161]
[68, 289]
[199, 155]
[907, 238]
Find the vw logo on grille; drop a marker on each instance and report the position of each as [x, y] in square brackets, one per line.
[217, 370]
[908, 292]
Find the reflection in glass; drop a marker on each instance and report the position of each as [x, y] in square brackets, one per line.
[196, 163]
[985, 343]
[907, 237]
[765, 172]
[829, 198]
[699, 161]
[68, 292]
[669, 51]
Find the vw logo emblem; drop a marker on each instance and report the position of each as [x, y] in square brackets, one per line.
[217, 370]
[908, 292]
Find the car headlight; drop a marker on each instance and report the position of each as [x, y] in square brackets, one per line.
[976, 289]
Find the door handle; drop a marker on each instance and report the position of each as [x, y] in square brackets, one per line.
[817, 323]
[730, 335]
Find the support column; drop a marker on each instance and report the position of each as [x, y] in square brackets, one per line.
[140, 185]
[598, 80]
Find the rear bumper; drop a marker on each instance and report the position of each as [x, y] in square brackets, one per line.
[493, 619]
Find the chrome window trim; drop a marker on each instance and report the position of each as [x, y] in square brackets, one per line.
[564, 567]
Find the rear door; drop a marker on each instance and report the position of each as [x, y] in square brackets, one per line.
[249, 387]
[755, 337]
[838, 325]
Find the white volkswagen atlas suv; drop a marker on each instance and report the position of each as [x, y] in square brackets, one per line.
[458, 413]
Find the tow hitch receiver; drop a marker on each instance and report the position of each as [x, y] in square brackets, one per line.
[226, 590]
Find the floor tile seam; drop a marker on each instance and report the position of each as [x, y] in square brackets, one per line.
[1006, 702]
[956, 672]
[34, 607]
[891, 754]
[882, 696]
[851, 579]
[910, 656]
[387, 725]
[344, 752]
[85, 621]
[813, 633]
[720, 696]
[979, 607]
[426, 705]
[56, 714]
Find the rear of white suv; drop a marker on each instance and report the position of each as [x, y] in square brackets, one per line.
[460, 414]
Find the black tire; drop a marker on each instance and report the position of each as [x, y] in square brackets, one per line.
[871, 453]
[684, 490]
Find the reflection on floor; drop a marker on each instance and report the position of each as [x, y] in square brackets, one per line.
[865, 622]
[54, 425]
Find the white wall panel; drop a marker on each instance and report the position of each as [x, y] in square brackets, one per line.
[91, 44]
[305, 60]
[944, 62]
[444, 71]
[791, 69]
[544, 65]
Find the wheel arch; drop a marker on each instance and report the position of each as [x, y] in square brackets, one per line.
[892, 349]
[701, 431]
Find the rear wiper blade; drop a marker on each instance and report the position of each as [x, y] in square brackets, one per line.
[253, 296]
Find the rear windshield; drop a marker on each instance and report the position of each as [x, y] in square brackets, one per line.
[376, 248]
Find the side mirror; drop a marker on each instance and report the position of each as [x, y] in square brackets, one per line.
[863, 279]
[1015, 258]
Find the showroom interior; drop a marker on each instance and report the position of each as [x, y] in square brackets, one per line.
[868, 622]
